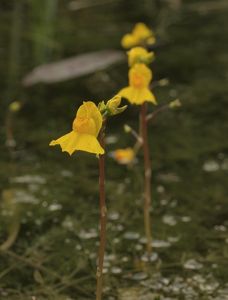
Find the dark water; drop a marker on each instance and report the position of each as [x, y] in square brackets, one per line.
[54, 198]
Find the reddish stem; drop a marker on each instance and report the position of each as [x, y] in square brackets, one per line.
[103, 218]
[147, 176]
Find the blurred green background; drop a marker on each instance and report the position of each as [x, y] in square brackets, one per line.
[50, 200]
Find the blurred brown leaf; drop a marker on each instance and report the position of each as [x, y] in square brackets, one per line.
[73, 67]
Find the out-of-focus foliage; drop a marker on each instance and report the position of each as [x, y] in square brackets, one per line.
[54, 254]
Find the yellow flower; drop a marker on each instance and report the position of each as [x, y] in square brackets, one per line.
[140, 35]
[86, 127]
[138, 90]
[124, 156]
[139, 55]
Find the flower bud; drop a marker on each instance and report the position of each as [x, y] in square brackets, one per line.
[127, 128]
[163, 82]
[175, 103]
[15, 106]
[102, 107]
[112, 106]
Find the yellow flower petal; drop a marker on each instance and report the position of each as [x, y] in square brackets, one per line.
[89, 143]
[137, 96]
[74, 141]
[129, 41]
[88, 119]
[147, 95]
[66, 142]
[140, 76]
[127, 93]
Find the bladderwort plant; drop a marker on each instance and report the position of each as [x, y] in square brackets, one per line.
[13, 108]
[88, 134]
[8, 202]
[138, 92]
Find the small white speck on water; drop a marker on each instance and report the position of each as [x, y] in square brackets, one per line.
[38, 222]
[192, 264]
[173, 239]
[90, 234]
[125, 259]
[160, 189]
[113, 216]
[68, 223]
[152, 257]
[185, 219]
[78, 247]
[220, 228]
[22, 196]
[44, 204]
[29, 179]
[169, 220]
[164, 202]
[116, 270]
[131, 235]
[111, 139]
[139, 276]
[211, 166]
[110, 257]
[66, 173]
[224, 165]
[160, 244]
[138, 247]
[55, 207]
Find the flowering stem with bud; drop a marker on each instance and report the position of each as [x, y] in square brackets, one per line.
[88, 124]
[170, 105]
[109, 109]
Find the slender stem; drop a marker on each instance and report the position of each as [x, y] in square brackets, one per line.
[15, 54]
[10, 141]
[103, 219]
[14, 230]
[147, 177]
[9, 127]
[157, 111]
[150, 117]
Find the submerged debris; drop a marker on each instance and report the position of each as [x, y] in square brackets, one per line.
[211, 166]
[73, 67]
[192, 264]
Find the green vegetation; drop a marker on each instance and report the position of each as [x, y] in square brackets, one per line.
[56, 198]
